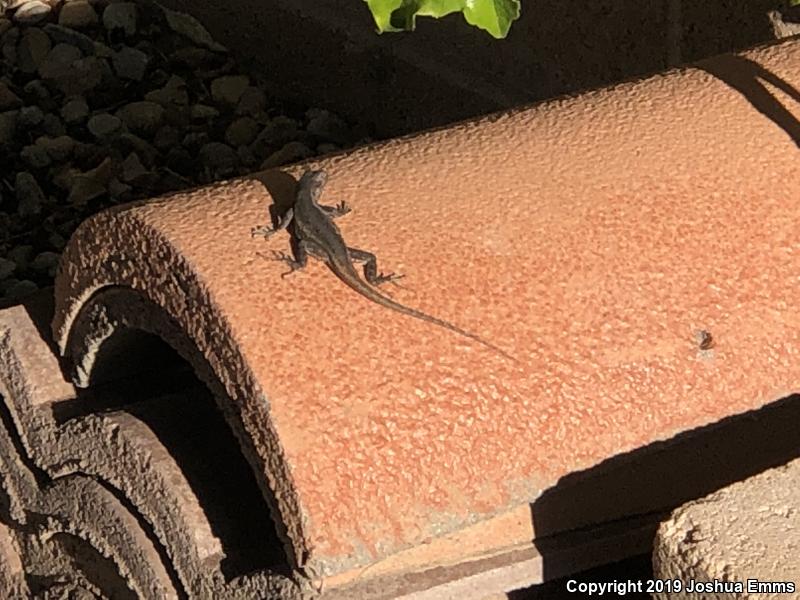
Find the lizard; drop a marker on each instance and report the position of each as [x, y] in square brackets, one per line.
[314, 233]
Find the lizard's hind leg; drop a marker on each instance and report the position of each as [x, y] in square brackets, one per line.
[371, 267]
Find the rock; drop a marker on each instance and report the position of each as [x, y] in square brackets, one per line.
[327, 148]
[190, 28]
[118, 190]
[202, 112]
[252, 102]
[21, 255]
[193, 140]
[52, 125]
[59, 61]
[327, 126]
[143, 118]
[77, 14]
[64, 35]
[173, 93]
[7, 268]
[8, 127]
[57, 148]
[132, 168]
[29, 117]
[35, 156]
[180, 160]
[218, 158]
[166, 137]
[85, 75]
[91, 184]
[195, 58]
[279, 130]
[45, 263]
[29, 195]
[32, 12]
[128, 142]
[130, 63]
[32, 50]
[241, 132]
[37, 93]
[104, 126]
[56, 241]
[229, 89]
[8, 99]
[75, 110]
[21, 289]
[291, 152]
[120, 16]
[5, 25]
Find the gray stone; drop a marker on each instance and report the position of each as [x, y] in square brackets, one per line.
[104, 126]
[64, 35]
[143, 118]
[35, 156]
[29, 116]
[75, 110]
[8, 99]
[32, 50]
[77, 14]
[7, 268]
[59, 61]
[52, 125]
[29, 195]
[45, 263]
[21, 289]
[130, 63]
[229, 89]
[120, 15]
[218, 158]
[291, 152]
[58, 148]
[252, 102]
[241, 132]
[21, 255]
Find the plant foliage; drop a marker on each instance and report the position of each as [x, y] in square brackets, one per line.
[493, 16]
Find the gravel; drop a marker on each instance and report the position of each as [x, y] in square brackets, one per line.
[103, 103]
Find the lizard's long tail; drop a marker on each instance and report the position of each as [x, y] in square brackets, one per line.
[365, 289]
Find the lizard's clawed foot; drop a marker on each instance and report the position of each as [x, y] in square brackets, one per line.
[265, 231]
[340, 209]
[382, 278]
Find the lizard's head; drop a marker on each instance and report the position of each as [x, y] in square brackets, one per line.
[313, 180]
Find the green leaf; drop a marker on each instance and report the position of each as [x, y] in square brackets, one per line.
[494, 16]
[382, 12]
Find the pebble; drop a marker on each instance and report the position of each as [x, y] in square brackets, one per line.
[104, 126]
[21, 289]
[120, 16]
[45, 263]
[7, 268]
[142, 117]
[75, 110]
[8, 99]
[229, 89]
[111, 101]
[30, 196]
[77, 14]
[130, 63]
[32, 12]
[32, 49]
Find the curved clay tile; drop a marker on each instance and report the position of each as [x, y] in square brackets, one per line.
[633, 248]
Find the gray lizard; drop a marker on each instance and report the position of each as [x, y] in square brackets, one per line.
[314, 232]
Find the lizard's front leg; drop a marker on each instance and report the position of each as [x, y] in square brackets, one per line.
[266, 231]
[336, 211]
[371, 267]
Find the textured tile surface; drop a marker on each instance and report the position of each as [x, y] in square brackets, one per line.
[746, 534]
[592, 238]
